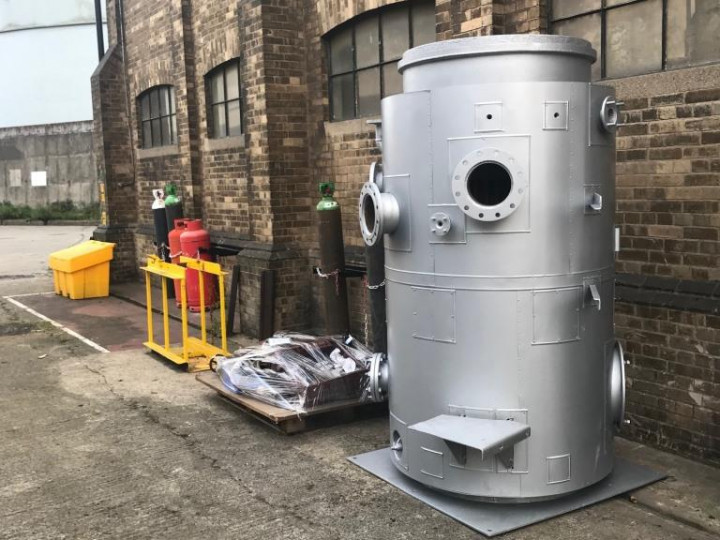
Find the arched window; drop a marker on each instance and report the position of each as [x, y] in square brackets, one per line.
[363, 55]
[224, 111]
[158, 123]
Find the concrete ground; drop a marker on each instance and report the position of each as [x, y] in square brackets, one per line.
[122, 445]
[24, 251]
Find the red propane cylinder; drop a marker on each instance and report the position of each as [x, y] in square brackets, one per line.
[174, 244]
[195, 243]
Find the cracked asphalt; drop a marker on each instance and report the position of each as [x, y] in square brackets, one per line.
[123, 445]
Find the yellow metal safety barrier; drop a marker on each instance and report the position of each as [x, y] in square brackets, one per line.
[195, 353]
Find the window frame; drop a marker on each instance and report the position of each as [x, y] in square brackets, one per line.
[210, 104]
[381, 63]
[603, 11]
[171, 115]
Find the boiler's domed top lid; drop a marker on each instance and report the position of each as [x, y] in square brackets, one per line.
[491, 45]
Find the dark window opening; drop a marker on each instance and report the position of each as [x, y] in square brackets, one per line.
[158, 120]
[224, 100]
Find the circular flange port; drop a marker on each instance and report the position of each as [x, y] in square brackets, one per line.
[379, 213]
[370, 215]
[488, 184]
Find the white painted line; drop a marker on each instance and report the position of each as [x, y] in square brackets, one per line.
[56, 324]
[48, 293]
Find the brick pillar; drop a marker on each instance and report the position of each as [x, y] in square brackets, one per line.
[278, 172]
[114, 162]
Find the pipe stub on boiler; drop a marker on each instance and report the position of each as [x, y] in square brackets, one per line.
[379, 212]
[378, 373]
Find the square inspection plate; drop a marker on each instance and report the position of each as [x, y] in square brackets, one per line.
[492, 519]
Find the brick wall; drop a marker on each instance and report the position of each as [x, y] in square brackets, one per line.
[668, 164]
[673, 378]
[462, 18]
[224, 166]
[522, 17]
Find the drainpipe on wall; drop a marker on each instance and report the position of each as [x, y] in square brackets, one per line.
[99, 30]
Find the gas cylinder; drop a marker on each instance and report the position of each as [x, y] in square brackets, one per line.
[160, 221]
[332, 261]
[175, 250]
[173, 205]
[195, 243]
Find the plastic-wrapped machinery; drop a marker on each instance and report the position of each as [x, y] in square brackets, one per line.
[496, 200]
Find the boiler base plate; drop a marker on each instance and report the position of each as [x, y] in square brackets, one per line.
[492, 519]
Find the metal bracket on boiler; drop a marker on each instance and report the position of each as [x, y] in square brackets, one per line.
[489, 437]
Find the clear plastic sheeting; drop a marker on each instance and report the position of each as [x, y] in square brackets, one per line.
[299, 372]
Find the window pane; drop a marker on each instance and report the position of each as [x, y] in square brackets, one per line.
[164, 101]
[634, 34]
[154, 103]
[232, 82]
[568, 8]
[367, 46]
[610, 3]
[145, 107]
[586, 27]
[147, 135]
[234, 118]
[392, 80]
[219, 128]
[395, 33]
[166, 131]
[217, 90]
[172, 101]
[173, 122]
[156, 140]
[692, 32]
[423, 23]
[368, 92]
[343, 97]
[341, 54]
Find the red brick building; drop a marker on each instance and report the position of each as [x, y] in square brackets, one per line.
[248, 104]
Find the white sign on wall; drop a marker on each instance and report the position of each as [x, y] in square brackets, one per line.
[38, 178]
[15, 177]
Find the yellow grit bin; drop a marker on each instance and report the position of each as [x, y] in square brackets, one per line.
[83, 271]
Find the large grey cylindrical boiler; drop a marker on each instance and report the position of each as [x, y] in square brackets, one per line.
[496, 200]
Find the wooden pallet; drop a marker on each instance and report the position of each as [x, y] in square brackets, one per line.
[287, 421]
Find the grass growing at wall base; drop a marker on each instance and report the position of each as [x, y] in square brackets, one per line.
[56, 211]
